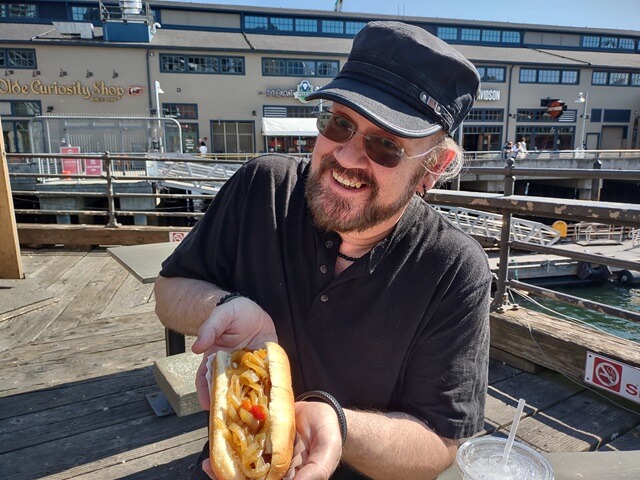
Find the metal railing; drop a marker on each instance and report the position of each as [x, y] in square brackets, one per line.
[598, 216]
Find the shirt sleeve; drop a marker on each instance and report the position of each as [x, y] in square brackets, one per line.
[208, 252]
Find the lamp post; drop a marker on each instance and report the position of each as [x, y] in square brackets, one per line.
[583, 98]
[159, 115]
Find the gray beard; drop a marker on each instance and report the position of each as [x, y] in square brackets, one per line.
[331, 213]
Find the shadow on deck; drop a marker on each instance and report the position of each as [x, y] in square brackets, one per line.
[77, 363]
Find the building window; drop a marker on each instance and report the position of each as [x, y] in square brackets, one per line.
[232, 137]
[252, 22]
[470, 35]
[541, 115]
[332, 26]
[622, 79]
[599, 78]
[543, 75]
[181, 111]
[14, 58]
[491, 74]
[447, 33]
[491, 36]
[481, 138]
[510, 37]
[352, 28]
[85, 14]
[202, 64]
[486, 115]
[528, 75]
[607, 42]
[306, 25]
[618, 78]
[547, 138]
[299, 68]
[20, 108]
[281, 24]
[17, 10]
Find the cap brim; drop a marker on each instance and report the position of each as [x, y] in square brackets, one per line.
[385, 110]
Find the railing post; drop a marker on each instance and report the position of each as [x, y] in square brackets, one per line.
[111, 202]
[501, 301]
[596, 183]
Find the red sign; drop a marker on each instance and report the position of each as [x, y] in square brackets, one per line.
[614, 376]
[70, 165]
[93, 166]
[177, 237]
[556, 108]
[135, 91]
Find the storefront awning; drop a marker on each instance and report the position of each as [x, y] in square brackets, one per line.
[289, 127]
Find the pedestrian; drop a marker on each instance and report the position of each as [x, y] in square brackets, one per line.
[507, 150]
[202, 148]
[521, 148]
[377, 299]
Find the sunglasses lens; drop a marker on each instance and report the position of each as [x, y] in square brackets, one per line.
[379, 149]
[383, 151]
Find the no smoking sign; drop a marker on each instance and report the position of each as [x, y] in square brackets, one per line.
[612, 375]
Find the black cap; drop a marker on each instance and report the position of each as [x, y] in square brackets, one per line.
[404, 80]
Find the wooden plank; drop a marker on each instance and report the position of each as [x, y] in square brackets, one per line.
[540, 392]
[556, 344]
[91, 300]
[10, 261]
[28, 327]
[500, 371]
[22, 298]
[132, 297]
[59, 456]
[582, 423]
[73, 419]
[110, 350]
[168, 458]
[39, 234]
[67, 393]
[628, 441]
[515, 361]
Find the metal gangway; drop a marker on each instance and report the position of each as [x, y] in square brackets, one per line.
[485, 224]
[198, 178]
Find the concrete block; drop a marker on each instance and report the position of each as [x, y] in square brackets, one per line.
[175, 375]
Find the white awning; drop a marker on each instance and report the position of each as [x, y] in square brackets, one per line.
[289, 127]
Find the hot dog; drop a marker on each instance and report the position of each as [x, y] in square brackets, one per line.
[252, 419]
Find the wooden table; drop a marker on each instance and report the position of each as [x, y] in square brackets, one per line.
[584, 466]
[144, 262]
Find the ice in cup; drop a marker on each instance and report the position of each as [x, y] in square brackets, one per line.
[480, 459]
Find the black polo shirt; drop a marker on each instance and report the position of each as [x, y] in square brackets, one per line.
[405, 328]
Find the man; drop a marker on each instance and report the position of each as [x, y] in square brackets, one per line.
[376, 298]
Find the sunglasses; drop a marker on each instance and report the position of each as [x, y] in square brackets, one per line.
[380, 149]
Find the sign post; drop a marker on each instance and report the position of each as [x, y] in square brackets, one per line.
[10, 261]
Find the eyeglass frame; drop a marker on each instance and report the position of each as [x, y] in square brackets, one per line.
[322, 122]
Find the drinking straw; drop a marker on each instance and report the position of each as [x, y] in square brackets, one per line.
[512, 434]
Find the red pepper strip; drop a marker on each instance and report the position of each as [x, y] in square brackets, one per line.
[259, 412]
[246, 404]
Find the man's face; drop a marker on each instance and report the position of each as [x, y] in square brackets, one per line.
[348, 192]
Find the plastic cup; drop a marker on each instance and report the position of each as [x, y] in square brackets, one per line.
[479, 459]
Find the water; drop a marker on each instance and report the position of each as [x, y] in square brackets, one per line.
[608, 293]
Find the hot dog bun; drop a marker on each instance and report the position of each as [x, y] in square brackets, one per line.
[252, 415]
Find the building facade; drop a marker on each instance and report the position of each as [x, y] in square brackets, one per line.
[237, 77]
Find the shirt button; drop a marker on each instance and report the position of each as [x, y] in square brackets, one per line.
[323, 269]
[324, 298]
[328, 244]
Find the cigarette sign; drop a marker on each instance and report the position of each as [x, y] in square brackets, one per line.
[614, 376]
[176, 237]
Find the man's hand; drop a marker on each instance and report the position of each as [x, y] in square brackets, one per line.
[239, 323]
[318, 443]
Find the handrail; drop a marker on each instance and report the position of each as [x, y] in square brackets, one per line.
[506, 204]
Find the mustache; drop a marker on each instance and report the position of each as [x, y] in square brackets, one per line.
[329, 162]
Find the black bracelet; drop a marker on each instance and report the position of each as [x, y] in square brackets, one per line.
[325, 397]
[228, 297]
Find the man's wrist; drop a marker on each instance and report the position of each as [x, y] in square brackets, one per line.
[329, 399]
[228, 297]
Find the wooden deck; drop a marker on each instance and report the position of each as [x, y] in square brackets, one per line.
[78, 338]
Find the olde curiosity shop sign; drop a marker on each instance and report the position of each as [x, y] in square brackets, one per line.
[99, 91]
